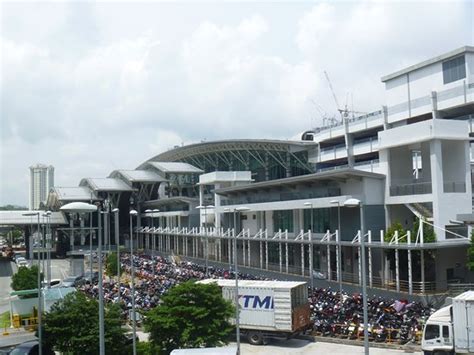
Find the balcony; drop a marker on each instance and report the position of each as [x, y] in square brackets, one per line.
[367, 145]
[332, 153]
[417, 188]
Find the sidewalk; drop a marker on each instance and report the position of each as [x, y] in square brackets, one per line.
[15, 337]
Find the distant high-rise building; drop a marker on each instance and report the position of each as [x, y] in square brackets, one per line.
[41, 181]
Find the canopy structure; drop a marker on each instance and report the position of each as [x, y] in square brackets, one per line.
[17, 218]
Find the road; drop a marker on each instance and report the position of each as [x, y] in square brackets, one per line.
[59, 270]
[304, 347]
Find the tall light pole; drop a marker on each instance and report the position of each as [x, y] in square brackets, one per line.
[310, 205]
[149, 215]
[353, 202]
[117, 243]
[339, 242]
[153, 240]
[205, 208]
[134, 326]
[40, 330]
[47, 214]
[236, 267]
[81, 207]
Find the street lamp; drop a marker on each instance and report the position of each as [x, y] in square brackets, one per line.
[205, 208]
[40, 330]
[82, 207]
[339, 242]
[310, 205]
[237, 308]
[117, 243]
[134, 327]
[353, 202]
[47, 214]
[153, 240]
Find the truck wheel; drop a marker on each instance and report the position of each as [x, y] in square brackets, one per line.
[255, 338]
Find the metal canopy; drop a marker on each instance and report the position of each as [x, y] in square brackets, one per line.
[16, 218]
[175, 167]
[79, 207]
[326, 175]
[143, 176]
[106, 184]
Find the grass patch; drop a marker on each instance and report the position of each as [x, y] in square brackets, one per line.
[4, 320]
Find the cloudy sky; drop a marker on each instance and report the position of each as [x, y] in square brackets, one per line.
[90, 87]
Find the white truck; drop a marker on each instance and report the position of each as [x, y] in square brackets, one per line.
[450, 330]
[268, 308]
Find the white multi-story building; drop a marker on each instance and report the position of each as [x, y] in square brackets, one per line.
[41, 181]
[408, 164]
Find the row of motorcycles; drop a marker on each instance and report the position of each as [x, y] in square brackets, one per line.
[341, 315]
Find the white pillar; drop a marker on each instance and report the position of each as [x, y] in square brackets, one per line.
[359, 259]
[261, 253]
[302, 254]
[397, 263]
[410, 277]
[279, 250]
[338, 261]
[248, 253]
[286, 252]
[266, 250]
[369, 249]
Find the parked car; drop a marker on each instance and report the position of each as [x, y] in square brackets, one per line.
[53, 283]
[30, 348]
[90, 278]
[22, 263]
[71, 281]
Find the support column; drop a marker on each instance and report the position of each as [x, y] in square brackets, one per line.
[382, 258]
[261, 254]
[286, 252]
[310, 238]
[302, 254]
[338, 261]
[279, 250]
[243, 252]
[422, 266]
[359, 258]
[229, 253]
[397, 263]
[369, 249]
[248, 254]
[328, 252]
[266, 251]
[410, 277]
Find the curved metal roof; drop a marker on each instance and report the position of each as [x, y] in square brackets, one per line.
[231, 144]
[144, 176]
[106, 184]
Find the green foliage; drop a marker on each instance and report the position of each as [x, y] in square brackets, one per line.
[397, 226]
[25, 278]
[111, 264]
[191, 315]
[147, 348]
[470, 254]
[429, 235]
[72, 326]
[16, 236]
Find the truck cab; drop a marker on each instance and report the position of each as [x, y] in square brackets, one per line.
[438, 333]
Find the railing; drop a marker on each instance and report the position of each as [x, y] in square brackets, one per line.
[455, 289]
[364, 118]
[417, 188]
[452, 186]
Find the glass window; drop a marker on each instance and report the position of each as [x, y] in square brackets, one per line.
[454, 69]
[320, 219]
[431, 331]
[445, 331]
[283, 220]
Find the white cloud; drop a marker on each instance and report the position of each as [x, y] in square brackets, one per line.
[88, 95]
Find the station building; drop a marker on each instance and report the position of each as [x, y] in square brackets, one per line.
[407, 164]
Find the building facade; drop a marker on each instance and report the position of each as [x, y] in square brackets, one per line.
[41, 181]
[408, 166]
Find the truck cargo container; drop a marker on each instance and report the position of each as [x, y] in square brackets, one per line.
[268, 308]
[450, 330]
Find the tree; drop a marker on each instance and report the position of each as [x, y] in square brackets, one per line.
[191, 315]
[111, 264]
[470, 254]
[397, 226]
[25, 278]
[72, 326]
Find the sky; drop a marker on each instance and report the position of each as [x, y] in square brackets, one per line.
[94, 86]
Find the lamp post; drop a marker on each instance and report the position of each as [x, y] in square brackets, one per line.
[117, 243]
[205, 208]
[40, 330]
[353, 202]
[339, 242]
[310, 205]
[236, 267]
[47, 214]
[153, 240]
[149, 215]
[81, 207]
[134, 328]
